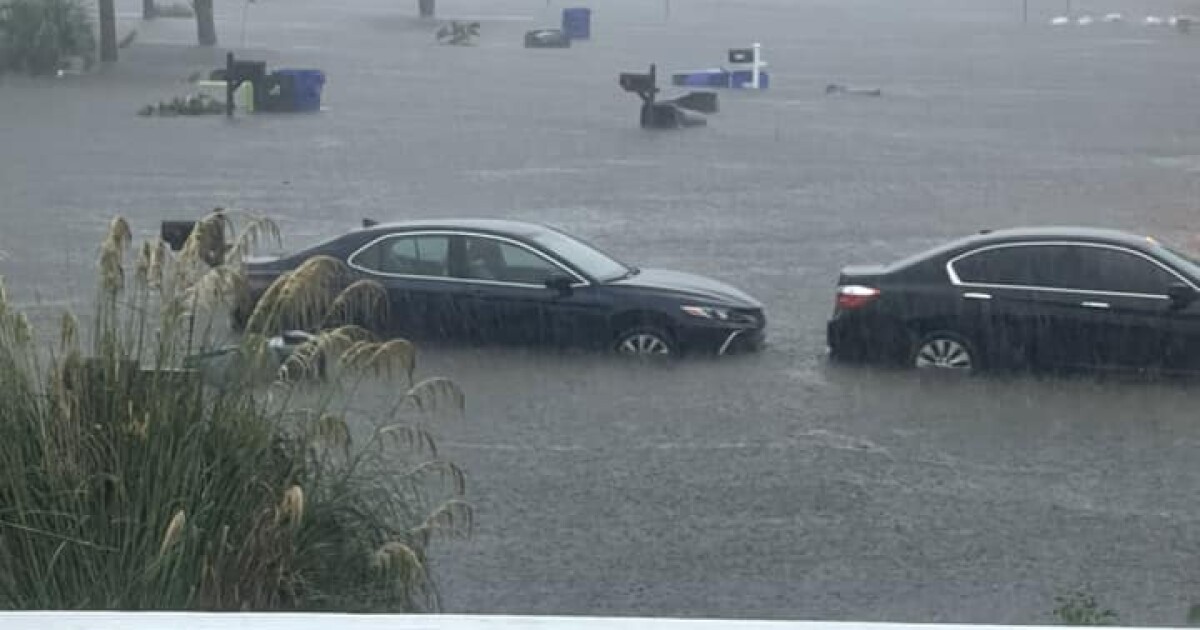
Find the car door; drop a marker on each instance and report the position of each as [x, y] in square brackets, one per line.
[997, 302]
[414, 268]
[1100, 305]
[508, 300]
[1126, 294]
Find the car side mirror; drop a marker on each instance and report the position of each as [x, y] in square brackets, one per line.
[562, 284]
[1181, 295]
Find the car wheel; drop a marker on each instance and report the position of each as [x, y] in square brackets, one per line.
[645, 341]
[944, 350]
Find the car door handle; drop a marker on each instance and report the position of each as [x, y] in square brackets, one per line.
[1094, 304]
[977, 296]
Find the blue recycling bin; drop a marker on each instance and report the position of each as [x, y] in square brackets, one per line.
[577, 23]
[714, 78]
[306, 88]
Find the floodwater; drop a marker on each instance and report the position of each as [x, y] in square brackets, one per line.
[772, 485]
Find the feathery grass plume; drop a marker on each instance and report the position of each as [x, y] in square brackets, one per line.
[406, 437]
[19, 331]
[434, 396]
[68, 333]
[112, 256]
[174, 532]
[454, 518]
[216, 288]
[363, 302]
[311, 359]
[156, 269]
[206, 244]
[291, 507]
[141, 272]
[398, 558]
[389, 359]
[444, 472]
[255, 232]
[332, 430]
[94, 445]
[299, 298]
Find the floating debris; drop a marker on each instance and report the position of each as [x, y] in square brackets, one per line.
[834, 88]
[547, 38]
[458, 33]
[191, 105]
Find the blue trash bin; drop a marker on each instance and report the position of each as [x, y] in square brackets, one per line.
[577, 23]
[307, 86]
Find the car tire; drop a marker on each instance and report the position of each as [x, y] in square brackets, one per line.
[646, 342]
[944, 350]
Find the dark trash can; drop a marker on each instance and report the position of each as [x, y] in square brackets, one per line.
[703, 102]
[278, 93]
[669, 116]
[577, 23]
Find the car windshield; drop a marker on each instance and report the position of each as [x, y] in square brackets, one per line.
[591, 261]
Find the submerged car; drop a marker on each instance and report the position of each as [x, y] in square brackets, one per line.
[1035, 297]
[508, 282]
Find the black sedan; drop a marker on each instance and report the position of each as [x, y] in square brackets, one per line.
[1037, 297]
[494, 281]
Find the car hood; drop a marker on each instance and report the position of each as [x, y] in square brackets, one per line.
[691, 286]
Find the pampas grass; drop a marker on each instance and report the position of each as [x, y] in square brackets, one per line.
[126, 482]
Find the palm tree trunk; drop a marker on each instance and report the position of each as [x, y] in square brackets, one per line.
[108, 31]
[206, 28]
[426, 7]
[148, 9]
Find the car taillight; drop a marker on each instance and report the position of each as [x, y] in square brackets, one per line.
[855, 296]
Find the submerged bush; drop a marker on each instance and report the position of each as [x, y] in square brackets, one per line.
[128, 483]
[1079, 608]
[38, 36]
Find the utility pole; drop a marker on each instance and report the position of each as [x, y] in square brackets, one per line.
[1024, 11]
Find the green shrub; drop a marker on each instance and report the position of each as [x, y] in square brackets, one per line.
[129, 483]
[1080, 608]
[37, 36]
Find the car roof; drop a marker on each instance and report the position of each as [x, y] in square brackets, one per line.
[502, 227]
[1065, 233]
[984, 238]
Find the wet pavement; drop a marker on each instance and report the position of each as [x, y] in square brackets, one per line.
[771, 485]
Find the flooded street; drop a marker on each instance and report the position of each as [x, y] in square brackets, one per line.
[767, 486]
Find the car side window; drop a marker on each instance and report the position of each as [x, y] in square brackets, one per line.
[500, 261]
[426, 255]
[1023, 265]
[1106, 269]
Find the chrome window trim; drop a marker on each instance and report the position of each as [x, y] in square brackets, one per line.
[579, 280]
[956, 281]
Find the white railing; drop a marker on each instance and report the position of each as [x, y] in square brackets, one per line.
[295, 621]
